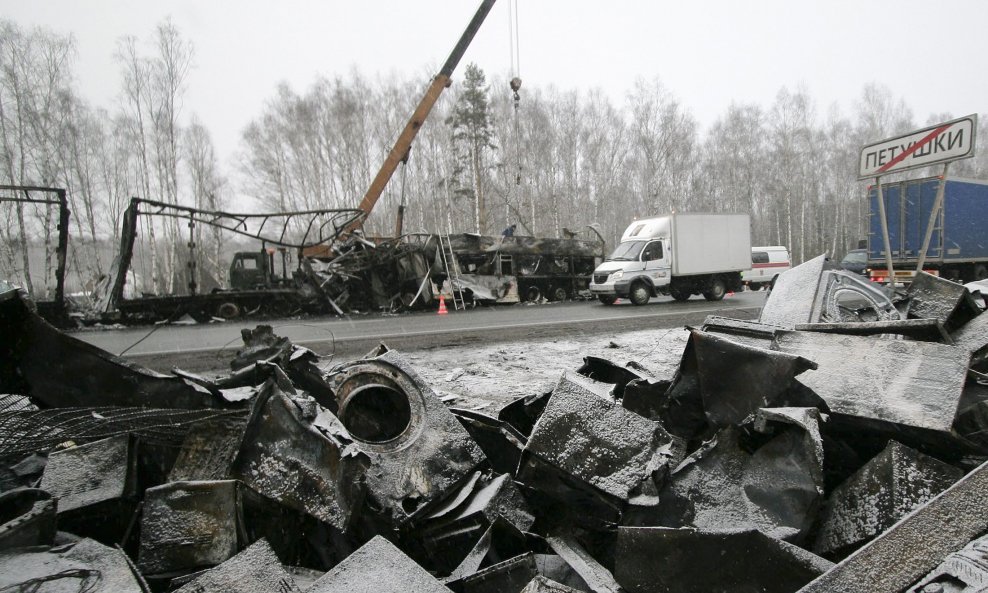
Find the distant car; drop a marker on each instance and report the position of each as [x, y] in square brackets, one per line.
[766, 265]
[855, 261]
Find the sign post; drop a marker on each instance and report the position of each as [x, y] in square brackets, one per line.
[942, 143]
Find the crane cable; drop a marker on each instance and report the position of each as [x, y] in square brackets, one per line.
[515, 85]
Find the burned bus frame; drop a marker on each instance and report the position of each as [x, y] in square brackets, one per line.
[554, 269]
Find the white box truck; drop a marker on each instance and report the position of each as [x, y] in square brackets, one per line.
[680, 255]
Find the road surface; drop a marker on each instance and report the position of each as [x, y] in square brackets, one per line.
[209, 347]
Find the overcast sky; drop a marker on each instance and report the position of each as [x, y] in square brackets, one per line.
[708, 53]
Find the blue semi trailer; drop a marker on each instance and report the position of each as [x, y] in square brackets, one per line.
[959, 245]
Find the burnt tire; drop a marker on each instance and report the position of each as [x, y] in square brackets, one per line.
[607, 299]
[680, 294]
[639, 294]
[716, 291]
[228, 310]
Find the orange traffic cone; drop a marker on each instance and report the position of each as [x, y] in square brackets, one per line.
[442, 305]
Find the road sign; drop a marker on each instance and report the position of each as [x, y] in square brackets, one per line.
[944, 142]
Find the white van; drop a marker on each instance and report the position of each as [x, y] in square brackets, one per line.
[766, 265]
[681, 254]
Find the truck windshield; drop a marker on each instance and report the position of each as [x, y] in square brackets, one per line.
[627, 251]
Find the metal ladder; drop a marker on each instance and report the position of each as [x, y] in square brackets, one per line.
[452, 271]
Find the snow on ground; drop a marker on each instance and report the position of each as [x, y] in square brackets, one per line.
[486, 377]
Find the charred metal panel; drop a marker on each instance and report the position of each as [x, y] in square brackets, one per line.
[592, 454]
[749, 333]
[554, 568]
[932, 297]
[662, 560]
[208, 452]
[540, 584]
[501, 541]
[524, 412]
[510, 576]
[893, 483]
[645, 397]
[964, 571]
[378, 567]
[500, 441]
[605, 371]
[794, 295]
[27, 518]
[768, 476]
[87, 475]
[255, 569]
[973, 336]
[915, 545]
[190, 525]
[487, 497]
[82, 566]
[972, 416]
[57, 370]
[416, 449]
[287, 457]
[596, 576]
[453, 527]
[927, 330]
[736, 380]
[915, 384]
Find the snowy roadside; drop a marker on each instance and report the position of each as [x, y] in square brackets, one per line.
[485, 377]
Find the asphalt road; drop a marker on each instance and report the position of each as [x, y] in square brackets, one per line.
[208, 347]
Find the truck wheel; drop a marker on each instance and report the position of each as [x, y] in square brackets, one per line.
[680, 294]
[639, 294]
[716, 291]
[533, 294]
[980, 272]
[607, 299]
[559, 294]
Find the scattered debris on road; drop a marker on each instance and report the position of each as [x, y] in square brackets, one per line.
[832, 430]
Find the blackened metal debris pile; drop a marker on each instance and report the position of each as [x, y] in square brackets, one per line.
[837, 444]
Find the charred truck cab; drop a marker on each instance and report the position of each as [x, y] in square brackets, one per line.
[679, 255]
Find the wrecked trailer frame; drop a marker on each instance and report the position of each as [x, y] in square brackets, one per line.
[54, 310]
[302, 291]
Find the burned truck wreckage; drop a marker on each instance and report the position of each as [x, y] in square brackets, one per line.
[833, 444]
[309, 262]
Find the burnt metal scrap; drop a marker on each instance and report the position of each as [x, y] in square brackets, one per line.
[917, 384]
[809, 293]
[932, 297]
[57, 370]
[890, 485]
[765, 475]
[769, 454]
[664, 560]
[591, 455]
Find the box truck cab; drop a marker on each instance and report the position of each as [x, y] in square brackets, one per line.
[679, 255]
[766, 265]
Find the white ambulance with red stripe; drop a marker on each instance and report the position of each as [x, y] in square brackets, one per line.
[766, 265]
